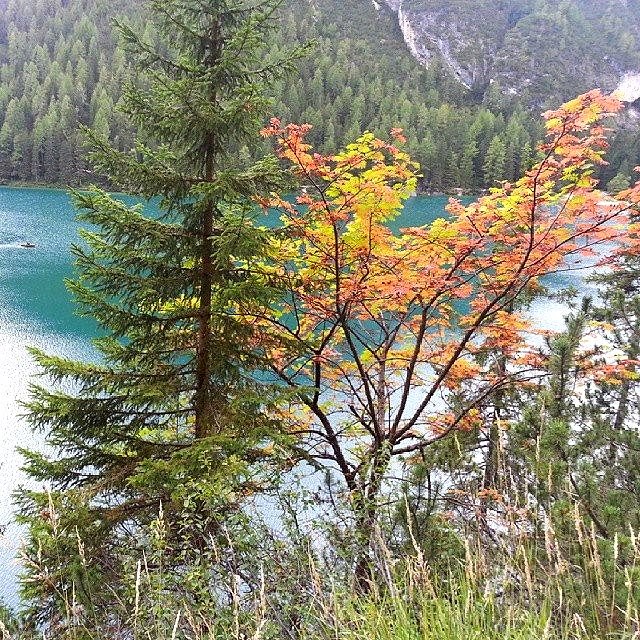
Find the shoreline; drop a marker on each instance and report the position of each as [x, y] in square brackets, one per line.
[40, 186]
[455, 192]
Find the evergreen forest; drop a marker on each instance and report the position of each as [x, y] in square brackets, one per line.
[60, 69]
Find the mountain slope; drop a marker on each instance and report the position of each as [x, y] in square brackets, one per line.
[543, 51]
[60, 68]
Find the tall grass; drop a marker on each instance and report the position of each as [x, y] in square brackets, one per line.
[533, 586]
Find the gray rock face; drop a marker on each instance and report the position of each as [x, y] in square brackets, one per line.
[629, 88]
[528, 48]
[394, 4]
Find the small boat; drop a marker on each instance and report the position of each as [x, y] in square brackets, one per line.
[27, 245]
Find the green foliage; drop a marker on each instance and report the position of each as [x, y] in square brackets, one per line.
[575, 445]
[619, 182]
[281, 588]
[173, 416]
[360, 76]
[60, 69]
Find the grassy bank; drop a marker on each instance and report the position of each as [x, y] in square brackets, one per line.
[515, 586]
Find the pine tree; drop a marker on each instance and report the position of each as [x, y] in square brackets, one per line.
[585, 456]
[542, 444]
[172, 416]
[467, 166]
[610, 445]
[494, 161]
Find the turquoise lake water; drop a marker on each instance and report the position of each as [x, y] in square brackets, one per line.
[36, 310]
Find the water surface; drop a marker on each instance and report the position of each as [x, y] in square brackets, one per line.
[36, 310]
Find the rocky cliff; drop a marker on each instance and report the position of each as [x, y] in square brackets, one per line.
[538, 49]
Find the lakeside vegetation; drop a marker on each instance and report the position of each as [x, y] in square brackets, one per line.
[325, 429]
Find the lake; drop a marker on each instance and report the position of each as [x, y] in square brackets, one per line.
[36, 310]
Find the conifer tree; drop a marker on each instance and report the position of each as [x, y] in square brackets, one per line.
[585, 458]
[172, 416]
[610, 443]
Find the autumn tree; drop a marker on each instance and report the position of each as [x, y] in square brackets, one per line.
[390, 343]
[171, 415]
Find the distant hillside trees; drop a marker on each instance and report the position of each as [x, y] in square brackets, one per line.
[60, 68]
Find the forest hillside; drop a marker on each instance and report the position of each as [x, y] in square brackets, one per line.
[60, 68]
[544, 52]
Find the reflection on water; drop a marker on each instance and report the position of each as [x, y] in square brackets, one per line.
[17, 370]
[35, 310]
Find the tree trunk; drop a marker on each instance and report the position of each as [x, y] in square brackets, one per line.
[203, 413]
[366, 513]
[490, 476]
